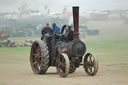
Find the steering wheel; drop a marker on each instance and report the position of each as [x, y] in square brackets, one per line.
[64, 29]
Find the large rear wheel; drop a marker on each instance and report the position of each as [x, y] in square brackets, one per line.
[39, 57]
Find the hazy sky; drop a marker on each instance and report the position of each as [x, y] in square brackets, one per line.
[57, 5]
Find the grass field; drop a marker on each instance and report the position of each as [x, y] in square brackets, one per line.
[111, 48]
[108, 50]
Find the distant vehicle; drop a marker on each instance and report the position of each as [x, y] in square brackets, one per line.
[3, 36]
[85, 31]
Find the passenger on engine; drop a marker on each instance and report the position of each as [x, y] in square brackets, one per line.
[55, 28]
[45, 30]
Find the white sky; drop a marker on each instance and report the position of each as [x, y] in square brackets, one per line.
[57, 5]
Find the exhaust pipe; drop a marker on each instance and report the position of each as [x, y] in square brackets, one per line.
[76, 22]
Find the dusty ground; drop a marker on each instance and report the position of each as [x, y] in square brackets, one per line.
[21, 74]
[111, 50]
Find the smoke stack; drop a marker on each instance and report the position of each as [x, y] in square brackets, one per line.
[76, 22]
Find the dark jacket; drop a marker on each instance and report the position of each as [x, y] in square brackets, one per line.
[46, 30]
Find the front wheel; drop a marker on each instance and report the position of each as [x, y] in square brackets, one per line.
[63, 65]
[90, 64]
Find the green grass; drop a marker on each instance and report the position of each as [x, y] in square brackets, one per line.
[111, 46]
[22, 39]
[108, 51]
[14, 55]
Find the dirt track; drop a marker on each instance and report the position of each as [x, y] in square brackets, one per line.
[21, 74]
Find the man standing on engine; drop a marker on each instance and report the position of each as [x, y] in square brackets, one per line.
[45, 30]
[55, 28]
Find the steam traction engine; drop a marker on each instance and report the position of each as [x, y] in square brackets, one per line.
[64, 51]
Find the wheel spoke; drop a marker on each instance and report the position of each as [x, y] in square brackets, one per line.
[39, 52]
[34, 55]
[38, 49]
[90, 64]
[39, 59]
[90, 58]
[90, 68]
[35, 62]
[63, 60]
[87, 63]
[38, 65]
[63, 65]
[93, 63]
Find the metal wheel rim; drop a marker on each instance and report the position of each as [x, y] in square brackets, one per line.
[35, 58]
[91, 64]
[63, 65]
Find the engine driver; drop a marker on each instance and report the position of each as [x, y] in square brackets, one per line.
[55, 28]
[45, 30]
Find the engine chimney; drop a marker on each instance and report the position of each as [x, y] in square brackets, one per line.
[76, 22]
